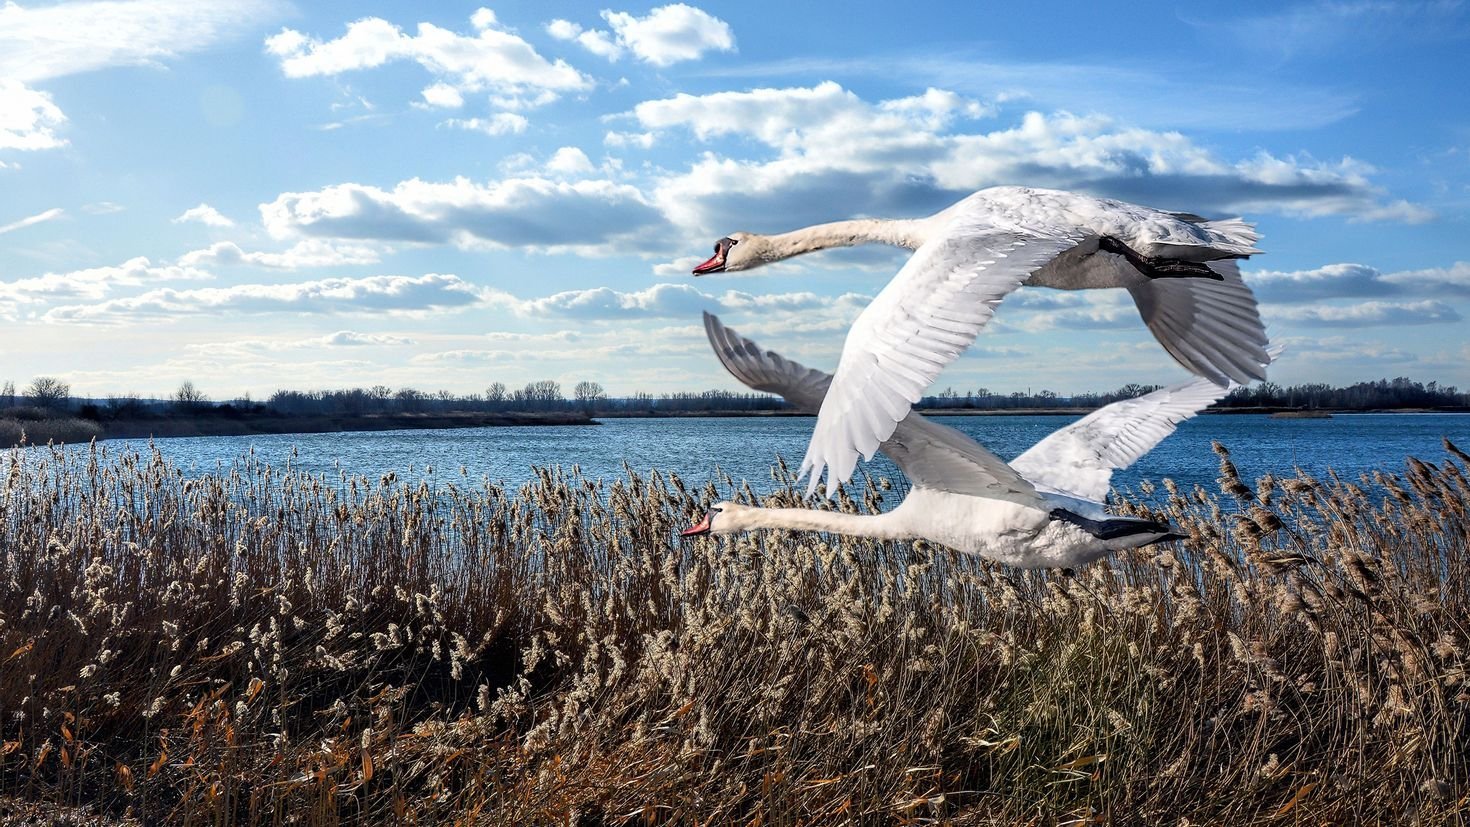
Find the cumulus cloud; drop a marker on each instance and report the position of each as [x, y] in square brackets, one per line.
[570, 161]
[667, 300]
[305, 253]
[518, 212]
[1348, 281]
[28, 117]
[32, 220]
[1444, 281]
[1367, 313]
[443, 96]
[489, 58]
[665, 36]
[911, 155]
[386, 295]
[206, 215]
[91, 283]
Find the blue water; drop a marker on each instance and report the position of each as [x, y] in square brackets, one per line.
[746, 448]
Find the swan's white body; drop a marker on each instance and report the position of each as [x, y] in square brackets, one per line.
[1045, 509]
[968, 257]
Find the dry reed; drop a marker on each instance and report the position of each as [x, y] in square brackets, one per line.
[265, 646]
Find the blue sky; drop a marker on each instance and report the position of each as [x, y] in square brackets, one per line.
[256, 195]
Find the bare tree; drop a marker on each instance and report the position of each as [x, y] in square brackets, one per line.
[188, 398]
[409, 400]
[544, 394]
[496, 392]
[48, 392]
[7, 394]
[124, 404]
[588, 394]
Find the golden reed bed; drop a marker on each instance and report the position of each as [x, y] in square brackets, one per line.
[262, 646]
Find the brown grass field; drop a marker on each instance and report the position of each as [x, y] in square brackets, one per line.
[265, 647]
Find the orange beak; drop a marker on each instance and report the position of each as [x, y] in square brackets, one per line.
[715, 264]
[701, 527]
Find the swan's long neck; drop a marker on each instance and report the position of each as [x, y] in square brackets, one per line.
[883, 526]
[899, 232]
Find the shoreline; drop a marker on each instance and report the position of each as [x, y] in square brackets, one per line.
[1072, 411]
[267, 425]
[74, 430]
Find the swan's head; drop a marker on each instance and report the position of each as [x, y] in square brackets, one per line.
[734, 252]
[722, 518]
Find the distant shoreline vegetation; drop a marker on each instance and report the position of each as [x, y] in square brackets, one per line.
[45, 410]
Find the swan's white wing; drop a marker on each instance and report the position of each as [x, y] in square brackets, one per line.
[1079, 460]
[931, 311]
[929, 454]
[1211, 327]
[766, 370]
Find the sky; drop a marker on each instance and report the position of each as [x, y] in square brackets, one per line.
[256, 195]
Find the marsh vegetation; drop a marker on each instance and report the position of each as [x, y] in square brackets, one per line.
[263, 646]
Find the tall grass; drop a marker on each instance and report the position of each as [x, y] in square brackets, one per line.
[265, 646]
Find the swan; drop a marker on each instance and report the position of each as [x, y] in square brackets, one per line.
[1045, 509]
[1180, 269]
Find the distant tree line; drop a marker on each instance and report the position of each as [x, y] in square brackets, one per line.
[51, 395]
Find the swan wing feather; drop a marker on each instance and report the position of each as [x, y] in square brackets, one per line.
[1079, 460]
[927, 315]
[931, 455]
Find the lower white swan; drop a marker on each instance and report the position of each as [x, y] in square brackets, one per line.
[1043, 510]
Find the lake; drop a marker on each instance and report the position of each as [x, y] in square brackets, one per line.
[746, 447]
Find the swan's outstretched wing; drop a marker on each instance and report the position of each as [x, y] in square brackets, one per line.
[1079, 460]
[766, 370]
[1211, 327]
[931, 311]
[929, 454]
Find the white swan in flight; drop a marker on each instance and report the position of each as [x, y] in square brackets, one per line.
[1043, 510]
[1180, 269]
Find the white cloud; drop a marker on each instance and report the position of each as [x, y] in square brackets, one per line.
[517, 212]
[1444, 281]
[599, 43]
[442, 95]
[32, 220]
[569, 160]
[665, 36]
[1352, 351]
[1340, 281]
[490, 58]
[826, 145]
[309, 252]
[92, 282]
[54, 40]
[500, 123]
[38, 43]
[386, 295]
[28, 117]
[339, 339]
[642, 140]
[667, 300]
[204, 214]
[1367, 313]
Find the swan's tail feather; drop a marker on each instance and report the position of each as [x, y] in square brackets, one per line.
[1232, 235]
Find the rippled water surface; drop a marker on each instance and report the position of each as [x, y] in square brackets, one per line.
[746, 447]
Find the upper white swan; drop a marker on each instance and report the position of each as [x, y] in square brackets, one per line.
[1044, 509]
[1180, 269]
